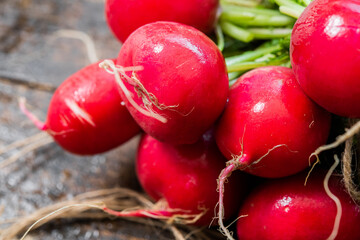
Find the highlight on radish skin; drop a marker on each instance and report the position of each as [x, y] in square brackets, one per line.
[185, 176]
[266, 109]
[85, 115]
[269, 127]
[124, 16]
[295, 211]
[184, 80]
[324, 52]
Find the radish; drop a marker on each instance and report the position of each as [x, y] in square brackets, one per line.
[185, 176]
[325, 55]
[183, 84]
[286, 209]
[124, 16]
[270, 124]
[269, 127]
[86, 114]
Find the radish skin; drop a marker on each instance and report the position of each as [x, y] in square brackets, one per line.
[324, 52]
[269, 127]
[184, 80]
[123, 16]
[295, 211]
[185, 176]
[86, 114]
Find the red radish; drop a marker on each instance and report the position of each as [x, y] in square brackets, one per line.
[325, 54]
[185, 176]
[269, 127]
[86, 114]
[286, 209]
[124, 16]
[269, 118]
[184, 81]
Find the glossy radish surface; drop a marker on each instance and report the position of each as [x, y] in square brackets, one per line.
[269, 127]
[186, 176]
[270, 124]
[286, 209]
[124, 16]
[86, 114]
[324, 50]
[183, 80]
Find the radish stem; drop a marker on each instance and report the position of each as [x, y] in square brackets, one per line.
[236, 32]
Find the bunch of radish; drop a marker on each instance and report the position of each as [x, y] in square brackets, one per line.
[172, 81]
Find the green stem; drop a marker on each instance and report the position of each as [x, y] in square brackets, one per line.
[236, 16]
[290, 8]
[306, 2]
[266, 33]
[220, 37]
[256, 11]
[236, 32]
[244, 66]
[250, 19]
[244, 3]
[252, 55]
[290, 11]
[234, 75]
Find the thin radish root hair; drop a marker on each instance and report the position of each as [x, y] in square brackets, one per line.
[237, 162]
[39, 124]
[336, 226]
[225, 173]
[82, 36]
[349, 133]
[56, 212]
[117, 71]
[118, 198]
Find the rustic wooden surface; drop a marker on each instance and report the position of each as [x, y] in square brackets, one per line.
[32, 64]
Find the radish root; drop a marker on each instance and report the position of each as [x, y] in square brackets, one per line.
[351, 132]
[82, 36]
[40, 125]
[122, 199]
[238, 162]
[225, 173]
[335, 199]
[150, 99]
